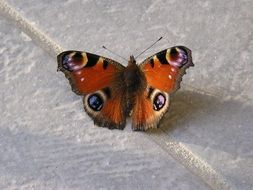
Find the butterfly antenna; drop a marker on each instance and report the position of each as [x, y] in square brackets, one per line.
[114, 53]
[149, 46]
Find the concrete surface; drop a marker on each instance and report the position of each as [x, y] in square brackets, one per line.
[48, 142]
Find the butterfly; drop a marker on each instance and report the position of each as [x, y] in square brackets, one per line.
[112, 92]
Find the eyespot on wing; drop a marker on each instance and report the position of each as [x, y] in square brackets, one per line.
[74, 61]
[177, 56]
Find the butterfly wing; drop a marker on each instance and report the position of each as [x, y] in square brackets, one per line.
[149, 107]
[163, 72]
[165, 69]
[97, 79]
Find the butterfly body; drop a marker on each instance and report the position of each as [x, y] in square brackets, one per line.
[112, 92]
[133, 76]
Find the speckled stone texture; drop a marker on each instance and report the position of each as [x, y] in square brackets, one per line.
[48, 142]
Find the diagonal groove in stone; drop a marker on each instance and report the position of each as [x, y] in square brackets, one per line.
[175, 149]
[187, 158]
[38, 36]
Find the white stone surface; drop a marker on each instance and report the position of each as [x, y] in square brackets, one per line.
[46, 140]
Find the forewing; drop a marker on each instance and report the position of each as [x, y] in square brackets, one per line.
[87, 72]
[165, 69]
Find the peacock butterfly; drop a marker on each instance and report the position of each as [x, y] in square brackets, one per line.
[112, 92]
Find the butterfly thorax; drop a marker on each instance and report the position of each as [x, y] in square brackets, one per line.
[134, 78]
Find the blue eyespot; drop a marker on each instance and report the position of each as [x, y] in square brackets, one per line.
[95, 102]
[159, 102]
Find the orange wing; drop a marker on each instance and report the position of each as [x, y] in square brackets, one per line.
[163, 72]
[149, 108]
[96, 78]
[165, 69]
[87, 72]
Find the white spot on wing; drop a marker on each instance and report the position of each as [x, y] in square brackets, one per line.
[170, 77]
[82, 79]
[79, 72]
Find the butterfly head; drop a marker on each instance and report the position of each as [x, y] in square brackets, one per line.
[132, 62]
